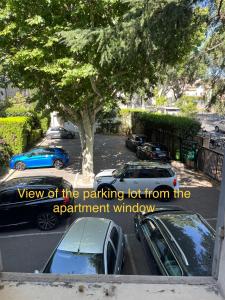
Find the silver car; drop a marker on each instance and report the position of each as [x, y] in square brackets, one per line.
[90, 246]
[60, 133]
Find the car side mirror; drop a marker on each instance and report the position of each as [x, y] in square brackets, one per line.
[121, 178]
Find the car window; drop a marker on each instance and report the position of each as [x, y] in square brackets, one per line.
[162, 173]
[114, 236]
[7, 197]
[147, 173]
[111, 259]
[132, 173]
[34, 153]
[165, 254]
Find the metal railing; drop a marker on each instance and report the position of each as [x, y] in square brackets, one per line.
[210, 162]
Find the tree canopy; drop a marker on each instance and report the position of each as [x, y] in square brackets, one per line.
[77, 55]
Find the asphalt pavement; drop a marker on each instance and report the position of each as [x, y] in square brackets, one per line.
[25, 249]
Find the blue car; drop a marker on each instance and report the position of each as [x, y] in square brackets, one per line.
[40, 157]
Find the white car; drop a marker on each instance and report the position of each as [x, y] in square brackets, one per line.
[139, 175]
[220, 126]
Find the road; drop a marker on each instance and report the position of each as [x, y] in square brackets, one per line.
[26, 249]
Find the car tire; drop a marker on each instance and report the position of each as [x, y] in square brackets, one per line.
[108, 188]
[58, 164]
[165, 189]
[47, 220]
[217, 129]
[70, 136]
[20, 166]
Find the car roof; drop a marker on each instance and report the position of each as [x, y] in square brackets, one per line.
[149, 164]
[85, 235]
[43, 148]
[193, 235]
[138, 135]
[31, 181]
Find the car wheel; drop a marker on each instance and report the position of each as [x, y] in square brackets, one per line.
[217, 129]
[20, 166]
[47, 220]
[108, 189]
[167, 193]
[58, 164]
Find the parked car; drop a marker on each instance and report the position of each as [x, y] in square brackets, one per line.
[154, 176]
[60, 133]
[135, 140]
[180, 241]
[90, 246]
[40, 157]
[220, 126]
[27, 200]
[150, 151]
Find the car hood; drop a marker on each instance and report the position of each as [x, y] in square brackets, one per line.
[105, 173]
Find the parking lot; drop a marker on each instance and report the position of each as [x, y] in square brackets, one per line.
[26, 249]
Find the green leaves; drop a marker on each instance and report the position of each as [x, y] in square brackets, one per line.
[74, 75]
[35, 20]
[57, 46]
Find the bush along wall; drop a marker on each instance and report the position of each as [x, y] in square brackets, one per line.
[15, 131]
[5, 154]
[182, 127]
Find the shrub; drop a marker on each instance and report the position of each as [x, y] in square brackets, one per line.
[34, 136]
[182, 127]
[14, 131]
[44, 123]
[16, 111]
[5, 154]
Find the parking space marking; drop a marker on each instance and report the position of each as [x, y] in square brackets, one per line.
[30, 234]
[132, 260]
[75, 180]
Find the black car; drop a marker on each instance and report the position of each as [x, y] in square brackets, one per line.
[31, 200]
[149, 151]
[135, 140]
[60, 133]
[180, 241]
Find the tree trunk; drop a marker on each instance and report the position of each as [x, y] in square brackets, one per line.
[86, 126]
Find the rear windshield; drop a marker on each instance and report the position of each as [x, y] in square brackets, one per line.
[65, 262]
[195, 239]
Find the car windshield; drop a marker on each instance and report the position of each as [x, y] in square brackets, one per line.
[157, 149]
[118, 172]
[196, 240]
[65, 262]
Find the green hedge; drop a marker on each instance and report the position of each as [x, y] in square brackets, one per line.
[34, 136]
[16, 111]
[183, 127]
[14, 131]
[38, 120]
[5, 154]
[44, 123]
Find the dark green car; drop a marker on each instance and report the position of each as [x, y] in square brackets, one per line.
[180, 241]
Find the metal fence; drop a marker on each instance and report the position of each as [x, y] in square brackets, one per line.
[210, 162]
[207, 160]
